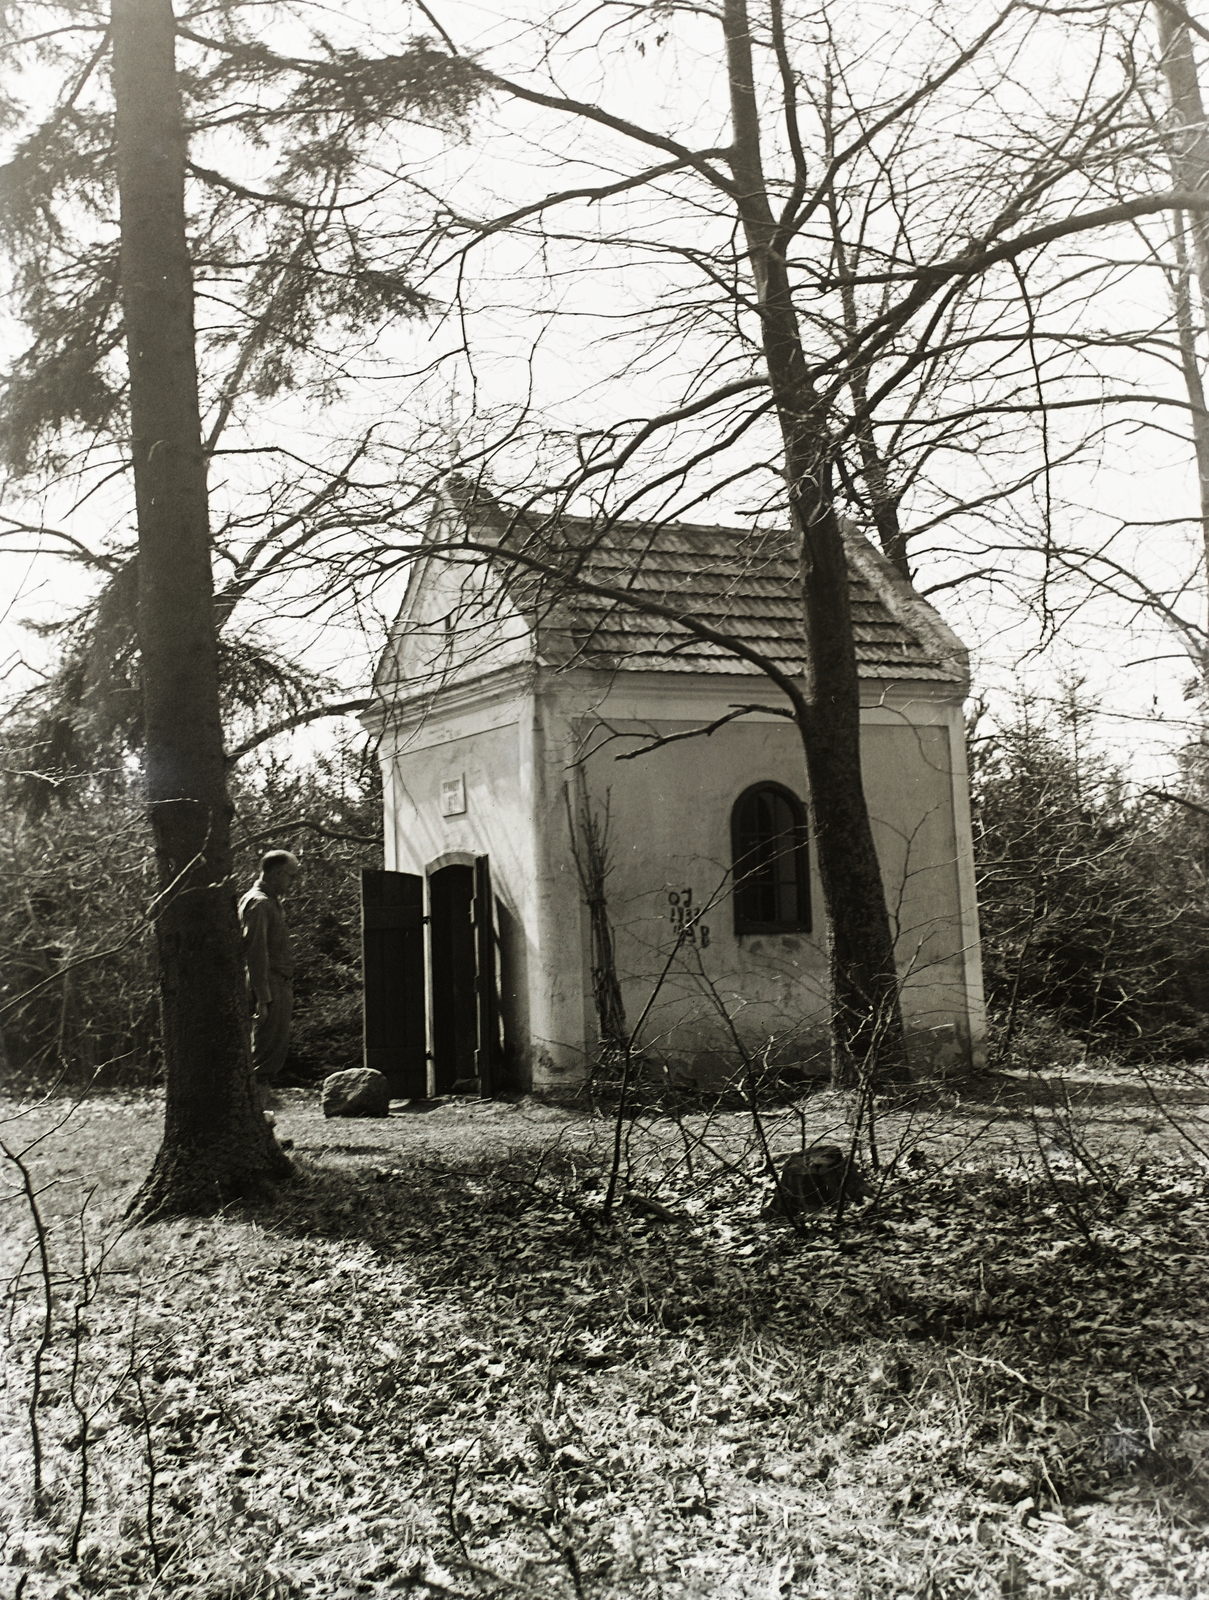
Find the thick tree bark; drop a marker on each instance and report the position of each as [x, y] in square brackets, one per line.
[867, 1029]
[882, 500]
[1195, 388]
[217, 1144]
[1190, 170]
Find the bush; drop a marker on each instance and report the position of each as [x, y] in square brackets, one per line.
[77, 959]
[77, 968]
[1092, 902]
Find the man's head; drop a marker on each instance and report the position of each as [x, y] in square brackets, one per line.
[278, 869]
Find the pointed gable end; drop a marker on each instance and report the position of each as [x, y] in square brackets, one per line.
[606, 595]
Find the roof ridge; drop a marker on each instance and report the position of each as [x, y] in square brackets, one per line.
[740, 580]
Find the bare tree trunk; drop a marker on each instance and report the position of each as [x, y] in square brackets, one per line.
[1193, 383]
[1190, 170]
[216, 1141]
[867, 1029]
[1190, 155]
[882, 500]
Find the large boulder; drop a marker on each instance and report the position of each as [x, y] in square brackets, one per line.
[360, 1092]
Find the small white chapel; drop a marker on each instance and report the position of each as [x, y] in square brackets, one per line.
[519, 712]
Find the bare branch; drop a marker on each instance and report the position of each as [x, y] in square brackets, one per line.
[91, 557]
[345, 708]
[631, 130]
[705, 730]
[1178, 800]
[315, 827]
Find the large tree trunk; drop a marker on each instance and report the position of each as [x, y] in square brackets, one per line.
[882, 500]
[1190, 170]
[867, 1029]
[217, 1143]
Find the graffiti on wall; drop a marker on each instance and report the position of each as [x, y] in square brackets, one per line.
[685, 917]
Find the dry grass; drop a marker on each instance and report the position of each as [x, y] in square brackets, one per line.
[431, 1367]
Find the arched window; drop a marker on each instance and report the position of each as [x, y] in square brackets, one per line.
[771, 862]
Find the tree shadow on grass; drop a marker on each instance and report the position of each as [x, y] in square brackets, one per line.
[516, 1248]
[532, 1227]
[1018, 1092]
[427, 1204]
[344, 1149]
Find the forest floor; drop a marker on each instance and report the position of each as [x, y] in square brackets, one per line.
[432, 1366]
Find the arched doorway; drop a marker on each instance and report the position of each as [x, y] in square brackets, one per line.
[451, 954]
[448, 1040]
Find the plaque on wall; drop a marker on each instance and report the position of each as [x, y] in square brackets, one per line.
[453, 797]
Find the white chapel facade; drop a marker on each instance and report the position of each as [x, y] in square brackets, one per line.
[509, 708]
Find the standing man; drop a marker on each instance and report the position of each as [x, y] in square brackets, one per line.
[270, 960]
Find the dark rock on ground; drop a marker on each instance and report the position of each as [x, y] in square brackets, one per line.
[809, 1179]
[359, 1092]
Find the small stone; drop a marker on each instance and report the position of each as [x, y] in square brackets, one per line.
[360, 1092]
[1008, 1485]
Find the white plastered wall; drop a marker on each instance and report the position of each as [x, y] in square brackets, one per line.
[669, 817]
[491, 735]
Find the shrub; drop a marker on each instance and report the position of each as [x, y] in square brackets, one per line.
[77, 970]
[1092, 913]
[77, 961]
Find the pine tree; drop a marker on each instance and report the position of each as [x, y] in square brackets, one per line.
[133, 286]
[217, 1141]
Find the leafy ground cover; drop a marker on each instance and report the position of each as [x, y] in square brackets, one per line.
[432, 1366]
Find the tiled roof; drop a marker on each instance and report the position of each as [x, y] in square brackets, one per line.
[737, 581]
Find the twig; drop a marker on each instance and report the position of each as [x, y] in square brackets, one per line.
[149, 1448]
[1046, 1394]
[1179, 1128]
[315, 827]
[153, 910]
[451, 1505]
[85, 1438]
[44, 1342]
[566, 1550]
[611, 1191]
[344, 708]
[1037, 1550]
[1177, 800]
[704, 731]
[70, 966]
[78, 1333]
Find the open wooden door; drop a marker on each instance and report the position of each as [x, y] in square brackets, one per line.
[392, 966]
[451, 973]
[488, 1055]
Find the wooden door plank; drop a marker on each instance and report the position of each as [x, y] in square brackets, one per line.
[392, 954]
[488, 1054]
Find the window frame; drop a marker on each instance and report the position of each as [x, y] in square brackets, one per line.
[803, 923]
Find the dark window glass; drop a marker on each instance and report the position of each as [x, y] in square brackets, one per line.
[772, 881]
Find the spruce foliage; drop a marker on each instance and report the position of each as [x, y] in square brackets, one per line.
[1092, 896]
[295, 251]
[77, 966]
[305, 244]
